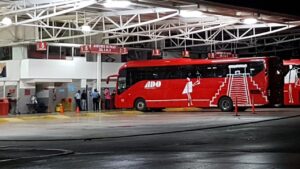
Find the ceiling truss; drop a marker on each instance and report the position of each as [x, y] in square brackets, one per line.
[226, 34]
[23, 14]
[57, 21]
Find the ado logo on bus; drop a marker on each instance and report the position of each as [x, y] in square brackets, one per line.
[152, 84]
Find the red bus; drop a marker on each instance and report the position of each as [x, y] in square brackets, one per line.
[184, 82]
[292, 82]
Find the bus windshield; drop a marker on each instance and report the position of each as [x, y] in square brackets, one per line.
[122, 81]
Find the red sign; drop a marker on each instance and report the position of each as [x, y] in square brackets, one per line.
[124, 51]
[108, 49]
[12, 90]
[156, 52]
[217, 55]
[185, 53]
[41, 46]
[27, 92]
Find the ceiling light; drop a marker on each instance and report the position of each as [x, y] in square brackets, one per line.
[190, 14]
[6, 21]
[86, 28]
[249, 21]
[116, 4]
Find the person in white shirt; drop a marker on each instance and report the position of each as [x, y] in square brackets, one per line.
[33, 99]
[77, 98]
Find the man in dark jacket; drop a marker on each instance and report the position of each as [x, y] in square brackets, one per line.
[83, 101]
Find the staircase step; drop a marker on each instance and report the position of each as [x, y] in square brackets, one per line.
[242, 98]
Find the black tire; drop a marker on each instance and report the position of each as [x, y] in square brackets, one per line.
[140, 105]
[225, 104]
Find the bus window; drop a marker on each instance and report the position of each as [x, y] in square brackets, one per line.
[254, 68]
[286, 70]
[158, 73]
[172, 72]
[188, 71]
[298, 71]
[221, 70]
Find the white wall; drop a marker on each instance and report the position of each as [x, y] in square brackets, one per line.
[29, 71]
[19, 52]
[12, 70]
[65, 69]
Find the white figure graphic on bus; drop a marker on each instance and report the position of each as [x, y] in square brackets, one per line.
[188, 89]
[292, 79]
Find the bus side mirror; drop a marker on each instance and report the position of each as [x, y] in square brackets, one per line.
[108, 78]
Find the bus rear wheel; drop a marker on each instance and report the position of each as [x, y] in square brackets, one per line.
[225, 104]
[140, 105]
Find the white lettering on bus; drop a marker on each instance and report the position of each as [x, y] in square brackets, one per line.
[152, 84]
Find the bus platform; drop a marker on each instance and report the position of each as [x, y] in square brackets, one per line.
[65, 115]
[100, 125]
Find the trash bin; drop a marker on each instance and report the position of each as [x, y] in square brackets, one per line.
[58, 107]
[4, 107]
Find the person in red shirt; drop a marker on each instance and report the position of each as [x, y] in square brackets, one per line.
[107, 98]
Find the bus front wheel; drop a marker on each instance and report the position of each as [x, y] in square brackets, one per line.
[140, 105]
[225, 104]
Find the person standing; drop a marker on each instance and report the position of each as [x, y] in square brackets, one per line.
[77, 98]
[113, 95]
[96, 98]
[12, 103]
[107, 98]
[83, 101]
[34, 104]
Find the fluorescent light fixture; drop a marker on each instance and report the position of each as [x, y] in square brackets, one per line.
[6, 21]
[249, 21]
[190, 14]
[86, 28]
[116, 4]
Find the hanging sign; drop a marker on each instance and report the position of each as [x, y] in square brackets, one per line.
[217, 55]
[156, 52]
[12, 90]
[107, 49]
[41, 46]
[185, 53]
[27, 92]
[124, 51]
